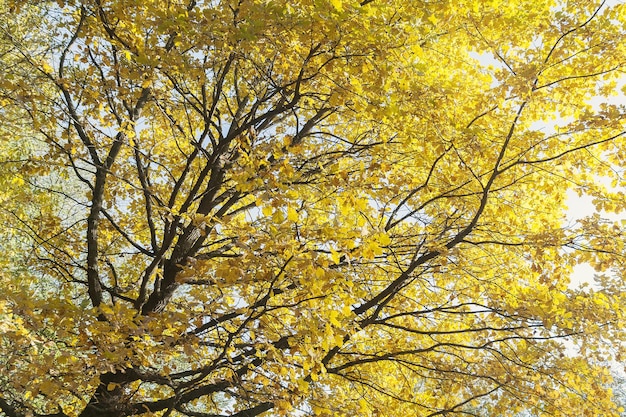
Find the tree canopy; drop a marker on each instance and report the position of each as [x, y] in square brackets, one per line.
[310, 207]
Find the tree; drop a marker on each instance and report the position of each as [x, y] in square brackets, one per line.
[313, 207]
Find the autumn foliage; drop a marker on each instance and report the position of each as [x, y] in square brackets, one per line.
[310, 207]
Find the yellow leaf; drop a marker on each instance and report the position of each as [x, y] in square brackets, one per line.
[47, 68]
[346, 310]
[417, 50]
[363, 405]
[319, 272]
[106, 309]
[335, 256]
[292, 214]
[278, 217]
[337, 4]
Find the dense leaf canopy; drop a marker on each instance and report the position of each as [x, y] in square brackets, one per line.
[309, 207]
